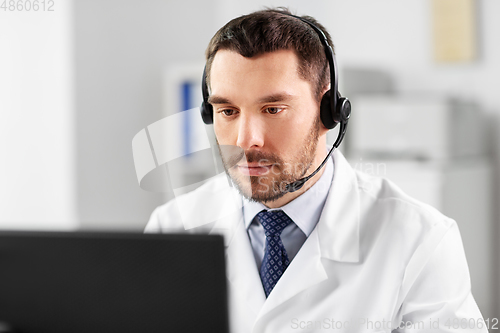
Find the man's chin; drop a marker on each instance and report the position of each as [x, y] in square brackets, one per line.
[260, 188]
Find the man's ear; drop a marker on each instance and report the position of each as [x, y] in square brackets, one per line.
[323, 91]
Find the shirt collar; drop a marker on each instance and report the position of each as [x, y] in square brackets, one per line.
[305, 210]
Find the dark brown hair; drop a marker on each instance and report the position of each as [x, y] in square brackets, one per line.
[272, 30]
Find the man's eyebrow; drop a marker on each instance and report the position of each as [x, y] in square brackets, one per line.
[214, 99]
[278, 97]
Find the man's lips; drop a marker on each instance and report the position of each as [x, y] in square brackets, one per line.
[254, 169]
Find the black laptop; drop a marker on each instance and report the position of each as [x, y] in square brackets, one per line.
[61, 282]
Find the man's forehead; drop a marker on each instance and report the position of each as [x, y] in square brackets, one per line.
[271, 73]
[229, 59]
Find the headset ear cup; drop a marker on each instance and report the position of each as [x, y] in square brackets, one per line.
[206, 108]
[344, 109]
[207, 113]
[326, 111]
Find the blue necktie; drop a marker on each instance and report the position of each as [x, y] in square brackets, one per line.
[275, 258]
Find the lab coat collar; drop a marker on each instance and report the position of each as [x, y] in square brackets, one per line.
[338, 227]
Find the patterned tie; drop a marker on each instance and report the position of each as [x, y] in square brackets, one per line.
[275, 258]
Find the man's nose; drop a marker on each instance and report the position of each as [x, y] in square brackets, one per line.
[250, 132]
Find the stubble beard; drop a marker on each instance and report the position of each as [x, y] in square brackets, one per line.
[271, 186]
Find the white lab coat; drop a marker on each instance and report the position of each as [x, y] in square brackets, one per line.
[376, 259]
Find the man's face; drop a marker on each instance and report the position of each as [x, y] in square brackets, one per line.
[262, 106]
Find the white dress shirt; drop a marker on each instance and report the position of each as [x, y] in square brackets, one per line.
[305, 211]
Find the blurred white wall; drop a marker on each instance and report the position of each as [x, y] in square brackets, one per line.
[122, 49]
[37, 132]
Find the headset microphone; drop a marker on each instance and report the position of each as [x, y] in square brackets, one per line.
[334, 108]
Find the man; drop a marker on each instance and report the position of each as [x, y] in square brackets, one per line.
[347, 251]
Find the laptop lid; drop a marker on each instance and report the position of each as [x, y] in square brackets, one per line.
[61, 282]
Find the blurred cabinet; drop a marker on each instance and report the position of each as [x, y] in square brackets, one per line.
[415, 127]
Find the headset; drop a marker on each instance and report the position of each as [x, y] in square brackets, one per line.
[334, 108]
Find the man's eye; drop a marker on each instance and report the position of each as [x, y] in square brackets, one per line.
[227, 112]
[273, 110]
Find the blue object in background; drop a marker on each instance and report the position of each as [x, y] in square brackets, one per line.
[187, 103]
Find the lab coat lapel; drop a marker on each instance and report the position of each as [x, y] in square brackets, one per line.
[241, 269]
[305, 271]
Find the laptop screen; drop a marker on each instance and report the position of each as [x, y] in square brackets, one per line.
[61, 282]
